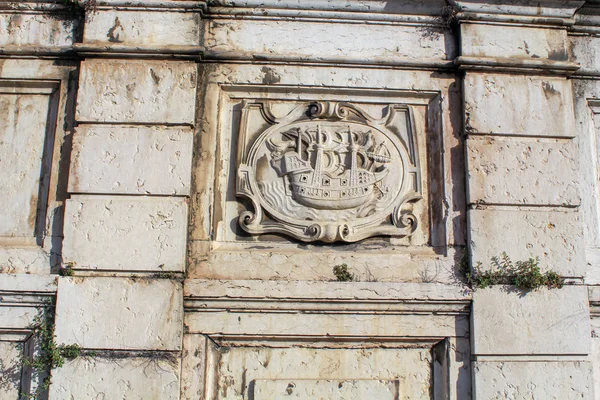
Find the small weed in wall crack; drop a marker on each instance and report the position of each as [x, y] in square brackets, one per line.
[524, 275]
[50, 355]
[342, 274]
[67, 270]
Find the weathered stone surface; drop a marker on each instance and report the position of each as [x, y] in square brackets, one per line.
[332, 389]
[524, 9]
[533, 380]
[518, 105]
[36, 29]
[556, 237]
[29, 260]
[586, 51]
[489, 40]
[595, 354]
[370, 43]
[545, 171]
[125, 233]
[119, 313]
[124, 378]
[137, 91]
[11, 360]
[533, 329]
[315, 263]
[323, 290]
[28, 283]
[240, 366]
[145, 29]
[21, 156]
[131, 160]
[314, 326]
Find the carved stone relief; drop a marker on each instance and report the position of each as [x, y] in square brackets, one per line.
[329, 171]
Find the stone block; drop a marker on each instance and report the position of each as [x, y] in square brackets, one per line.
[119, 313]
[123, 378]
[522, 171]
[543, 322]
[143, 28]
[518, 105]
[488, 40]
[332, 389]
[380, 43]
[533, 380]
[586, 51]
[11, 364]
[36, 29]
[131, 160]
[556, 237]
[126, 233]
[137, 91]
[22, 158]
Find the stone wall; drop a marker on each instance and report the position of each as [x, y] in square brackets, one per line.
[281, 199]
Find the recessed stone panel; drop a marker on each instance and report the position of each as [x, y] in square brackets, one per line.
[533, 380]
[137, 91]
[556, 237]
[131, 160]
[518, 105]
[125, 378]
[265, 373]
[23, 133]
[119, 313]
[522, 171]
[507, 321]
[126, 233]
[331, 389]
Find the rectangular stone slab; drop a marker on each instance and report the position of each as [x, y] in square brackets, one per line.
[131, 160]
[132, 377]
[330, 389]
[518, 105]
[533, 380]
[126, 233]
[522, 171]
[119, 313]
[556, 237]
[144, 29]
[489, 40]
[507, 321]
[137, 91]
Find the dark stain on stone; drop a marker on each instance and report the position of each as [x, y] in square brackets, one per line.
[32, 212]
[155, 77]
[558, 55]
[270, 77]
[549, 90]
[116, 33]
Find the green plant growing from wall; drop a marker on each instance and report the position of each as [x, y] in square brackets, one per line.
[524, 275]
[342, 274]
[50, 355]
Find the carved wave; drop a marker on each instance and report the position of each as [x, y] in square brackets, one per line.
[274, 194]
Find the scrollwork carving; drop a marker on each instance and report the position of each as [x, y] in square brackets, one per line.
[333, 174]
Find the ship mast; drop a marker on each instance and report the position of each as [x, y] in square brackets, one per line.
[319, 161]
[353, 152]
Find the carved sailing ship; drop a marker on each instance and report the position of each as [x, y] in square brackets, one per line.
[324, 180]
